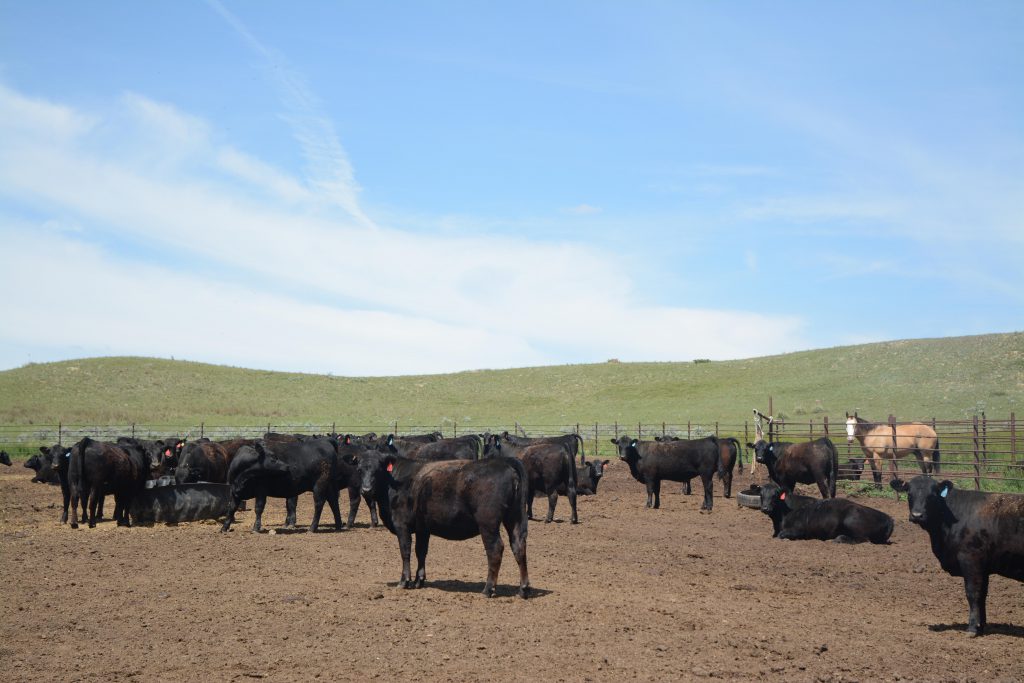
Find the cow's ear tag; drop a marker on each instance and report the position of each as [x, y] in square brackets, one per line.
[632, 444]
[944, 492]
[783, 496]
[391, 466]
[68, 454]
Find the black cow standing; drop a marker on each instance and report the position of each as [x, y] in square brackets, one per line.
[287, 471]
[550, 467]
[789, 464]
[97, 468]
[797, 517]
[453, 499]
[973, 534]
[573, 442]
[51, 467]
[731, 453]
[349, 452]
[650, 462]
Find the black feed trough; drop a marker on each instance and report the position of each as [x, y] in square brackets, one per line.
[750, 497]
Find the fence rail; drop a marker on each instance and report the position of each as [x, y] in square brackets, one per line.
[981, 453]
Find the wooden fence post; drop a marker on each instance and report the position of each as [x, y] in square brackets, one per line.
[824, 424]
[892, 425]
[977, 467]
[60, 433]
[688, 430]
[1013, 438]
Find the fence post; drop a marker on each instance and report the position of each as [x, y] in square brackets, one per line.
[716, 427]
[824, 425]
[977, 468]
[60, 434]
[133, 430]
[455, 430]
[810, 430]
[596, 453]
[639, 431]
[746, 432]
[688, 430]
[984, 438]
[663, 430]
[202, 429]
[616, 430]
[892, 425]
[1013, 438]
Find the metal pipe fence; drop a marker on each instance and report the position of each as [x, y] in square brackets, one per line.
[981, 453]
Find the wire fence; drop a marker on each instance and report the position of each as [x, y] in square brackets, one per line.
[982, 453]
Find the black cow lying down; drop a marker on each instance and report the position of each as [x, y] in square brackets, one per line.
[453, 499]
[973, 534]
[5, 459]
[180, 503]
[799, 518]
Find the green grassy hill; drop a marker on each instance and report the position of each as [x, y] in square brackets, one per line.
[949, 378]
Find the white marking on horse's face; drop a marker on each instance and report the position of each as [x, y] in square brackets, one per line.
[850, 426]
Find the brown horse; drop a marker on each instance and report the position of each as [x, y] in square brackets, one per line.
[876, 440]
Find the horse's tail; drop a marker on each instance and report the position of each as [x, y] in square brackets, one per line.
[833, 472]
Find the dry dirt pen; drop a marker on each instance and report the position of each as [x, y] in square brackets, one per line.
[629, 593]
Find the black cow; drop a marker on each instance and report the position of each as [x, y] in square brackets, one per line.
[810, 462]
[797, 517]
[731, 453]
[550, 467]
[650, 462]
[5, 459]
[180, 503]
[51, 467]
[572, 442]
[170, 452]
[973, 534]
[453, 499]
[588, 476]
[466, 447]
[285, 472]
[203, 460]
[349, 453]
[97, 468]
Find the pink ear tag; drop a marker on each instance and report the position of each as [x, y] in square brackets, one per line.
[391, 466]
[783, 496]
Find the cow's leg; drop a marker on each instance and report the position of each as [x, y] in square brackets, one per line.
[74, 507]
[318, 508]
[529, 501]
[686, 488]
[708, 480]
[67, 501]
[122, 501]
[290, 505]
[552, 502]
[94, 499]
[372, 504]
[353, 505]
[727, 482]
[516, 531]
[822, 483]
[494, 548]
[404, 549]
[422, 545]
[650, 494]
[99, 508]
[656, 488]
[573, 519]
[976, 587]
[258, 506]
[235, 503]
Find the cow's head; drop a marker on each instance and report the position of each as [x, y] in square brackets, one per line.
[773, 498]
[926, 498]
[374, 470]
[191, 465]
[590, 474]
[764, 452]
[170, 452]
[49, 462]
[628, 448]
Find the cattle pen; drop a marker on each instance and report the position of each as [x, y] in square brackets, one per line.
[983, 453]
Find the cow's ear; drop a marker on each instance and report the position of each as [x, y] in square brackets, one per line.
[614, 441]
[45, 450]
[750, 445]
[603, 465]
[945, 487]
[899, 485]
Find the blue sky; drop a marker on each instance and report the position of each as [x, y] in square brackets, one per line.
[394, 188]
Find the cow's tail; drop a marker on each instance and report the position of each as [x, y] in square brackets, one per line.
[739, 452]
[718, 457]
[833, 471]
[520, 496]
[583, 456]
[935, 457]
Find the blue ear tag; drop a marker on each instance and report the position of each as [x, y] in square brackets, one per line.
[944, 492]
[68, 454]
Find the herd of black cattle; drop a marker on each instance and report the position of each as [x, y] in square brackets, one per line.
[473, 485]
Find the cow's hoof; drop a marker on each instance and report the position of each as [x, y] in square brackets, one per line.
[574, 521]
[524, 592]
[419, 583]
[488, 591]
[548, 520]
[74, 525]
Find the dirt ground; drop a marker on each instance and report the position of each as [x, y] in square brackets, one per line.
[629, 593]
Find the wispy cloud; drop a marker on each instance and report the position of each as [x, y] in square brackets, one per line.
[583, 210]
[329, 171]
